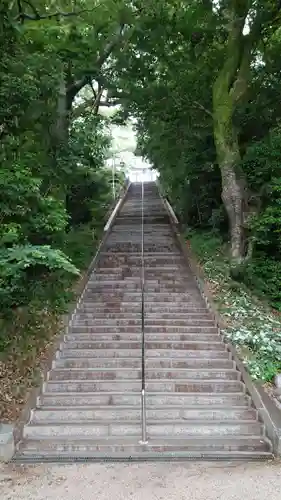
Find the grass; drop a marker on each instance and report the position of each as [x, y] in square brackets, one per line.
[250, 324]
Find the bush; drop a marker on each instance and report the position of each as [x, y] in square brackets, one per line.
[263, 276]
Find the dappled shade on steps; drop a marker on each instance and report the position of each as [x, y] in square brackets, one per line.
[90, 406]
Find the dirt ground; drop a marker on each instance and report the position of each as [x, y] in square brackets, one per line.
[150, 481]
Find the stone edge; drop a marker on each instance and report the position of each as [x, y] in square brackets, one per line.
[267, 410]
[9, 446]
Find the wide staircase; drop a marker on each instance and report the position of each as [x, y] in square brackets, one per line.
[142, 372]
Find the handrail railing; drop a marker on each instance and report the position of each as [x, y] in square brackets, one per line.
[143, 394]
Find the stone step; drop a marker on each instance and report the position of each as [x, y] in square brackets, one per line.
[241, 447]
[94, 429]
[198, 363]
[157, 385]
[90, 319]
[136, 315]
[96, 345]
[98, 399]
[133, 428]
[77, 374]
[127, 413]
[164, 354]
[119, 302]
[58, 386]
[152, 329]
[149, 337]
[154, 345]
[100, 363]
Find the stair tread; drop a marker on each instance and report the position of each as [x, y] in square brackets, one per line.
[164, 422]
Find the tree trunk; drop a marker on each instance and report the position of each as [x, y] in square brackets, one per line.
[229, 89]
[62, 123]
[234, 190]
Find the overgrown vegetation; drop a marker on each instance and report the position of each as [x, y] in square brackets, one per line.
[205, 93]
[55, 191]
[249, 323]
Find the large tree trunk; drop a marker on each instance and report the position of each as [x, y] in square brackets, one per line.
[234, 191]
[229, 89]
[64, 105]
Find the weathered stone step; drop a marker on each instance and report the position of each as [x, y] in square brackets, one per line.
[164, 385]
[111, 285]
[112, 353]
[200, 428]
[162, 354]
[131, 308]
[77, 374]
[93, 399]
[213, 447]
[96, 345]
[173, 297]
[116, 315]
[133, 428]
[179, 317]
[97, 385]
[87, 328]
[108, 413]
[136, 315]
[63, 374]
[98, 399]
[99, 363]
[112, 295]
[90, 319]
[149, 337]
[95, 429]
[149, 363]
[104, 310]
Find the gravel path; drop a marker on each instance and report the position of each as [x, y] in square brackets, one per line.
[185, 481]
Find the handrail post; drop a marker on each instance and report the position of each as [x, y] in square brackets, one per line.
[143, 394]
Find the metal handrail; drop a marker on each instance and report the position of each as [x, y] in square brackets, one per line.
[143, 394]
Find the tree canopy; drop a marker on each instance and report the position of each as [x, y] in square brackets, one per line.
[201, 80]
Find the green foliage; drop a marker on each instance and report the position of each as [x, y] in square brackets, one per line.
[23, 270]
[54, 188]
[250, 325]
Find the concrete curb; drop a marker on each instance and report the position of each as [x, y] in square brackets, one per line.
[269, 414]
[11, 435]
[7, 443]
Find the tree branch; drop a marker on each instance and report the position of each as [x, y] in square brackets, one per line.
[199, 105]
[86, 79]
[36, 16]
[97, 101]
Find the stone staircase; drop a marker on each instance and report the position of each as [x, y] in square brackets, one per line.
[196, 404]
